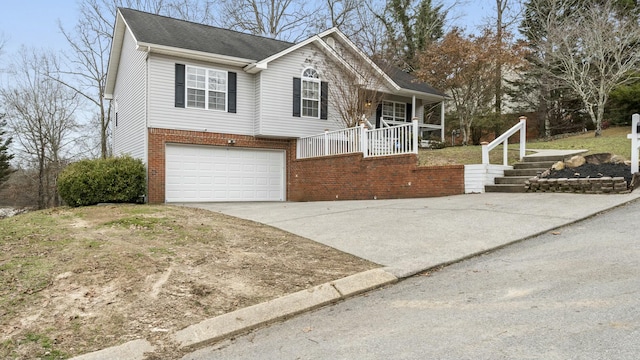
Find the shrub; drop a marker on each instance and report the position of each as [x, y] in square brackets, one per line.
[116, 180]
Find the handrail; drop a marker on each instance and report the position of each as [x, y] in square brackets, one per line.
[504, 138]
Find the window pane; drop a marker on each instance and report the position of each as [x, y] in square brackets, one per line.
[310, 108]
[310, 73]
[196, 78]
[217, 81]
[217, 100]
[400, 111]
[195, 98]
[310, 90]
[387, 110]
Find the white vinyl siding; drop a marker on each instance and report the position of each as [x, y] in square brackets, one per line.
[163, 113]
[210, 173]
[276, 97]
[129, 136]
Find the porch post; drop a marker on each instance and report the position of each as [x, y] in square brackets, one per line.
[413, 107]
[363, 141]
[415, 134]
[442, 120]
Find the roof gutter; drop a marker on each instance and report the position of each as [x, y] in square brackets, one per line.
[192, 54]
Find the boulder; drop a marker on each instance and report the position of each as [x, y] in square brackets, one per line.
[558, 166]
[597, 159]
[617, 159]
[575, 161]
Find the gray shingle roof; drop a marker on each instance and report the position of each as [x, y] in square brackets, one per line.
[406, 80]
[166, 31]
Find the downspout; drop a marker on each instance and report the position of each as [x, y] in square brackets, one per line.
[146, 118]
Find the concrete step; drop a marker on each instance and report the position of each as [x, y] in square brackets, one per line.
[534, 165]
[553, 158]
[522, 172]
[512, 179]
[505, 188]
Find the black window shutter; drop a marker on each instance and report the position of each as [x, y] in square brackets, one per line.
[324, 100]
[378, 115]
[232, 91]
[180, 90]
[296, 97]
[408, 113]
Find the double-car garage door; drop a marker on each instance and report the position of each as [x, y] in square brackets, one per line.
[209, 173]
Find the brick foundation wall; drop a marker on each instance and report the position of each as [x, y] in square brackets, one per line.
[344, 177]
[158, 138]
[352, 177]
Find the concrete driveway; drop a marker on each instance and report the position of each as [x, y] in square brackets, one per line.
[410, 235]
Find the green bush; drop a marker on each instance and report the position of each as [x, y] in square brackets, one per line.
[114, 180]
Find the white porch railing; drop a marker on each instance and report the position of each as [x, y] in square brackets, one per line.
[393, 140]
[635, 143]
[338, 142]
[504, 138]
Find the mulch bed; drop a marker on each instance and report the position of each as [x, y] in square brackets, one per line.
[594, 171]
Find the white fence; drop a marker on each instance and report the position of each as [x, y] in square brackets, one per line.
[394, 140]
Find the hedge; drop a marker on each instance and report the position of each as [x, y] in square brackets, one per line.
[111, 180]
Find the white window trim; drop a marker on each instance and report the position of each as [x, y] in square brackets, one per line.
[207, 90]
[395, 116]
[317, 80]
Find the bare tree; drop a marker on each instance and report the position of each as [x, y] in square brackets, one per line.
[464, 67]
[85, 68]
[354, 85]
[41, 115]
[288, 20]
[593, 50]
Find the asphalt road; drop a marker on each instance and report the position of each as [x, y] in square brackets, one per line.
[571, 294]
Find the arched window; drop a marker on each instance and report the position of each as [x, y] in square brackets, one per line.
[310, 93]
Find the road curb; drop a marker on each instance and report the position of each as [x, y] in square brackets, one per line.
[132, 350]
[215, 329]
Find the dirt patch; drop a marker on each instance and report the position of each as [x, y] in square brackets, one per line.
[79, 280]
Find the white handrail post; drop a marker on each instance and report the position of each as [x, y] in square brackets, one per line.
[523, 136]
[635, 118]
[505, 152]
[415, 135]
[485, 153]
[363, 141]
[326, 142]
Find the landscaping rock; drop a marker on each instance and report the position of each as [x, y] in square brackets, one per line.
[558, 166]
[597, 159]
[575, 161]
[617, 159]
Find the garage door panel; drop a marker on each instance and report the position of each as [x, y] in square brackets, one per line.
[207, 173]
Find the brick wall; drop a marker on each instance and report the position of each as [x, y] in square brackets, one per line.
[158, 138]
[352, 177]
[344, 177]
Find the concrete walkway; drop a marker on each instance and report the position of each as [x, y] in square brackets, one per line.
[410, 235]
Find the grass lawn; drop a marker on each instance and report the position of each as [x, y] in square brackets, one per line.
[613, 140]
[75, 280]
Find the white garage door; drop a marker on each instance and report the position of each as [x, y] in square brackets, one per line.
[208, 173]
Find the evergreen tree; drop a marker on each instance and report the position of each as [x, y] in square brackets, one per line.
[5, 157]
[411, 26]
